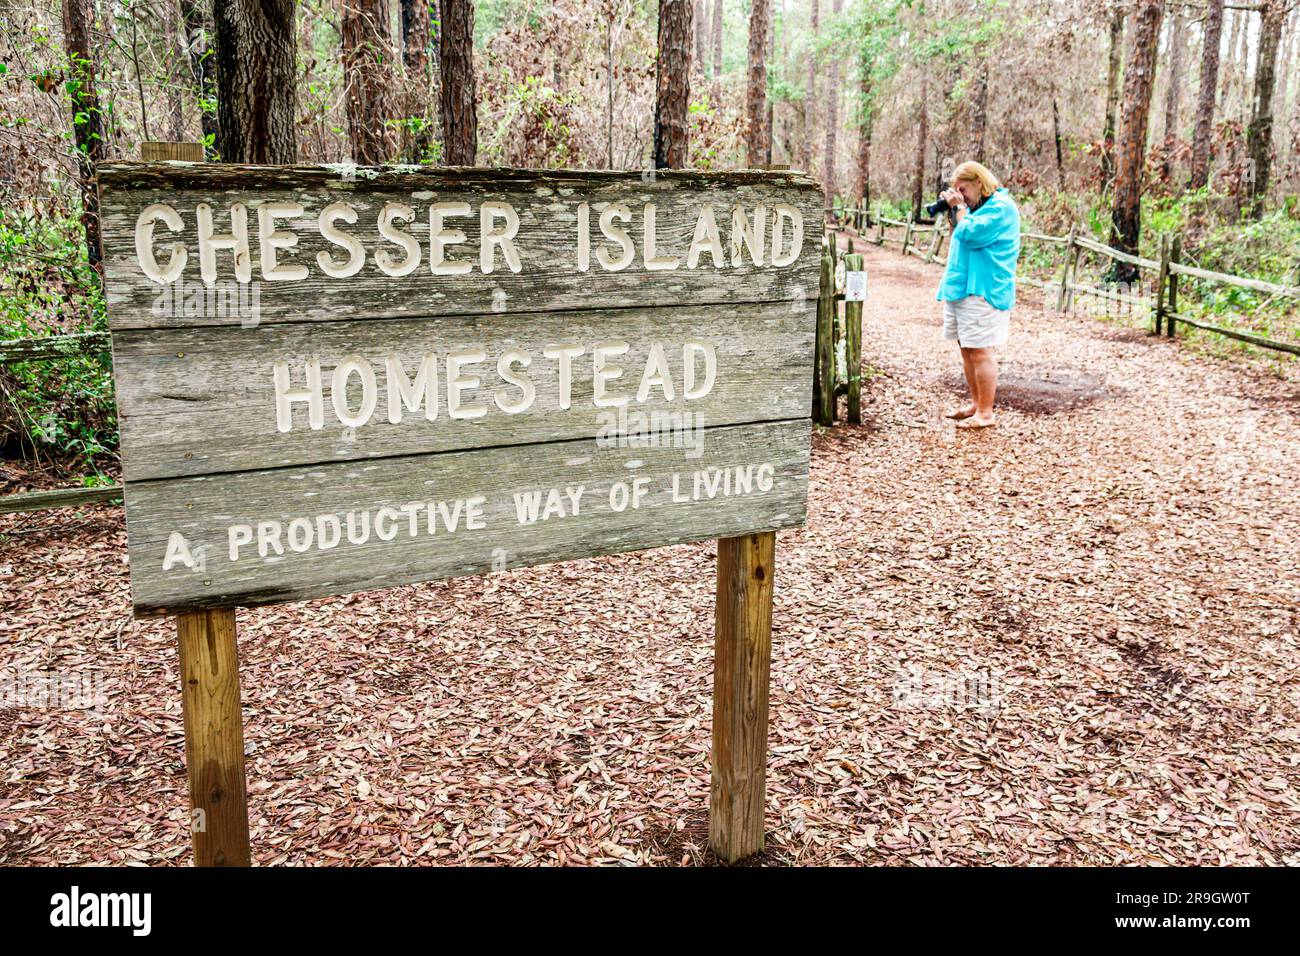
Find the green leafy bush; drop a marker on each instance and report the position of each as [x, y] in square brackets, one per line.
[60, 413]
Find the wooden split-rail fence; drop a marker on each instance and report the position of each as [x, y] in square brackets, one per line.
[926, 242]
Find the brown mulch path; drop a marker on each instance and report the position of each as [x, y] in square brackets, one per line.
[1069, 639]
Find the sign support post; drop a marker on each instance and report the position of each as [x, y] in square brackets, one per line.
[214, 737]
[742, 649]
[210, 699]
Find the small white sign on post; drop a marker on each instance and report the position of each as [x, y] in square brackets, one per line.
[855, 286]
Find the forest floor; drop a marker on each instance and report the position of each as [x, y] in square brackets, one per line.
[1069, 639]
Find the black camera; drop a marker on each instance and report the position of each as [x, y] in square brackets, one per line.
[935, 208]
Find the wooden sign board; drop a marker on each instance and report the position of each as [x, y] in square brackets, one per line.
[333, 379]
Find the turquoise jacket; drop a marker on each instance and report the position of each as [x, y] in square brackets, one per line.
[983, 254]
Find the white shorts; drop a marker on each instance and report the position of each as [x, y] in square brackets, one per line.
[974, 324]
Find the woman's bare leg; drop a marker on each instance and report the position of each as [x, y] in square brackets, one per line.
[966, 411]
[982, 375]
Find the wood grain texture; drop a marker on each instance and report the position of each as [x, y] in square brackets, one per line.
[741, 665]
[161, 152]
[44, 348]
[196, 401]
[201, 510]
[825, 375]
[546, 202]
[214, 737]
[59, 498]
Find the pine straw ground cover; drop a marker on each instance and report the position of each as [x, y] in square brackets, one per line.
[1070, 639]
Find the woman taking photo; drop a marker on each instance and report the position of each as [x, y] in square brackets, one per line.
[979, 285]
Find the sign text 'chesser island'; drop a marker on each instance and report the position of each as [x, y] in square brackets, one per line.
[449, 372]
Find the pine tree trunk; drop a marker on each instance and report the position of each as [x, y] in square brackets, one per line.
[1202, 137]
[1240, 61]
[1113, 68]
[701, 28]
[256, 57]
[1174, 89]
[862, 179]
[922, 140]
[810, 91]
[171, 37]
[416, 37]
[673, 85]
[198, 33]
[368, 71]
[980, 120]
[1259, 135]
[1293, 125]
[1139, 78]
[416, 41]
[459, 93]
[87, 125]
[769, 134]
[756, 85]
[717, 48]
[1173, 93]
[832, 120]
[1056, 136]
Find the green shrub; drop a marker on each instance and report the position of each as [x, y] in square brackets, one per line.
[58, 413]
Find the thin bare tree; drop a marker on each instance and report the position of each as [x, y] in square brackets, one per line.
[1114, 67]
[832, 120]
[370, 75]
[1259, 134]
[87, 125]
[810, 89]
[197, 17]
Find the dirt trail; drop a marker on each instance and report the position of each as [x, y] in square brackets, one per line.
[1068, 639]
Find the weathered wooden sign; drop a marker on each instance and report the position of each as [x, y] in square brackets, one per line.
[332, 379]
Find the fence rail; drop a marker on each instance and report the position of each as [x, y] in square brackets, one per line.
[45, 348]
[1168, 269]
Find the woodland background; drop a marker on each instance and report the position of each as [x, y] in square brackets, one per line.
[1127, 118]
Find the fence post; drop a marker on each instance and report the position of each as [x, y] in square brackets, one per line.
[934, 243]
[837, 332]
[1071, 274]
[824, 392]
[1175, 253]
[907, 234]
[1161, 279]
[1070, 250]
[880, 223]
[853, 344]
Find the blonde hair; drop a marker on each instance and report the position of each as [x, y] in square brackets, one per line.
[971, 172]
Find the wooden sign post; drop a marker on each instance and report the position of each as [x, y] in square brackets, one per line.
[334, 379]
[210, 700]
